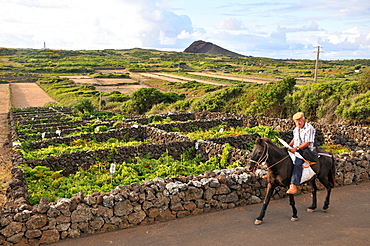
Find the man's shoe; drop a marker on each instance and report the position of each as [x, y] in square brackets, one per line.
[292, 189]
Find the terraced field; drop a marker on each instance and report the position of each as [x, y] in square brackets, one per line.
[28, 95]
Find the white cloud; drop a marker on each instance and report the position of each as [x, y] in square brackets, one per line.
[231, 24]
[283, 29]
[87, 24]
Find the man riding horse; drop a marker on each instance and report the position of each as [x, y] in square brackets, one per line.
[303, 138]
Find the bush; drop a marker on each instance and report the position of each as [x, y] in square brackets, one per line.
[270, 99]
[85, 106]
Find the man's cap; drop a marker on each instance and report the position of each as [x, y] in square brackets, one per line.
[298, 116]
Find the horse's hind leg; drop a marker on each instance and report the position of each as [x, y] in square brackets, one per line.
[327, 200]
[313, 206]
[328, 187]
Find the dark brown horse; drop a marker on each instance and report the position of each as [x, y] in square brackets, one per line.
[280, 168]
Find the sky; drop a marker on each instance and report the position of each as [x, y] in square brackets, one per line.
[282, 29]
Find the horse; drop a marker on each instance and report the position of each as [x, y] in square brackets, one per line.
[280, 169]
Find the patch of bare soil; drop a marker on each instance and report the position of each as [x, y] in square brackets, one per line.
[122, 71]
[5, 157]
[235, 77]
[124, 89]
[178, 78]
[28, 95]
[82, 79]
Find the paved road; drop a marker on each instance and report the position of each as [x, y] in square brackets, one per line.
[347, 223]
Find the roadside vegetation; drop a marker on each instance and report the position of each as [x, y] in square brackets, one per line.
[341, 94]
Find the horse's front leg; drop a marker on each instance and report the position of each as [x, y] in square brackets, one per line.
[270, 191]
[292, 203]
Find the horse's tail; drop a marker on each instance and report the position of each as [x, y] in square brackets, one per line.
[331, 176]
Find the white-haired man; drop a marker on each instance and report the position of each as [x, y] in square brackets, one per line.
[303, 137]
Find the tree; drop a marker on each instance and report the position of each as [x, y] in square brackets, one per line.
[85, 106]
[364, 81]
[145, 98]
[270, 100]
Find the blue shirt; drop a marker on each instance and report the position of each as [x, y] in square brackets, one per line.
[306, 134]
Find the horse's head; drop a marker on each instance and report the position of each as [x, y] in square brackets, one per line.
[259, 154]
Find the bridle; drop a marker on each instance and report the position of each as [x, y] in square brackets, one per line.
[264, 157]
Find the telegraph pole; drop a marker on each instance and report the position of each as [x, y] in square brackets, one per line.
[317, 64]
[243, 73]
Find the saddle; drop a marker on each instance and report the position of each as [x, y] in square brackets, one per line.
[309, 155]
[312, 157]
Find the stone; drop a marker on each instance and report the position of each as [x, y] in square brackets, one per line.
[223, 189]
[16, 238]
[37, 221]
[123, 208]
[183, 214]
[96, 224]
[63, 227]
[74, 233]
[194, 193]
[147, 205]
[197, 211]
[208, 194]
[41, 208]
[153, 212]
[22, 216]
[348, 178]
[108, 201]
[81, 214]
[104, 212]
[116, 220]
[136, 218]
[53, 212]
[50, 236]
[11, 229]
[33, 233]
[166, 215]
[63, 219]
[176, 207]
[190, 206]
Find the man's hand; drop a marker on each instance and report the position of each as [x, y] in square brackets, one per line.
[293, 150]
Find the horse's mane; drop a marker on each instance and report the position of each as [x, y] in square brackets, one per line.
[277, 148]
[268, 141]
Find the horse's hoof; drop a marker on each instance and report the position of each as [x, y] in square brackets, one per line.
[310, 210]
[326, 210]
[293, 219]
[258, 222]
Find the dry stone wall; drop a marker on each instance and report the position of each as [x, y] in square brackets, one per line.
[163, 199]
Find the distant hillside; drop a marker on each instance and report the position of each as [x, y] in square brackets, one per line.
[209, 48]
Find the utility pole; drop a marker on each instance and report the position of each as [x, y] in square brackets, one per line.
[317, 64]
[243, 73]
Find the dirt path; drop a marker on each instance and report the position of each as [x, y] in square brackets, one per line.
[234, 77]
[5, 158]
[178, 78]
[21, 95]
[29, 95]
